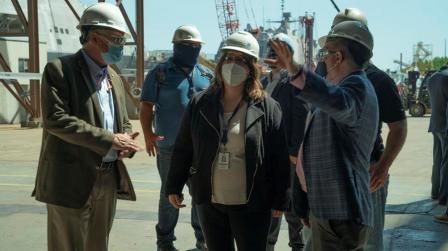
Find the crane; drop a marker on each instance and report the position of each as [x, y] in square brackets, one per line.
[227, 17]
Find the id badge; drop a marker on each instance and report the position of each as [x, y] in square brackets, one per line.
[223, 160]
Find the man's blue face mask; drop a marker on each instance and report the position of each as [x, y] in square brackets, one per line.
[186, 55]
[114, 51]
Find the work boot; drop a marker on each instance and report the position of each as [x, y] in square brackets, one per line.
[441, 218]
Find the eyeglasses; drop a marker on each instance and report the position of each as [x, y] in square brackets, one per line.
[323, 53]
[118, 40]
[235, 59]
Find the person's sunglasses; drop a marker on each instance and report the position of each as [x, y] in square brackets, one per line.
[118, 40]
[323, 53]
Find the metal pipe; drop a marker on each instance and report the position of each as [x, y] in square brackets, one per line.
[33, 35]
[140, 43]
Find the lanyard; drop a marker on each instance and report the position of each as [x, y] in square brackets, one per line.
[225, 129]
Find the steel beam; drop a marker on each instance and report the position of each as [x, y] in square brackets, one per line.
[13, 34]
[20, 14]
[19, 99]
[140, 44]
[16, 84]
[72, 9]
[128, 22]
[33, 35]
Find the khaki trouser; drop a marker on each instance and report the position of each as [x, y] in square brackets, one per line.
[87, 228]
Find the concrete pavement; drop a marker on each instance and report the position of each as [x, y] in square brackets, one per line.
[409, 224]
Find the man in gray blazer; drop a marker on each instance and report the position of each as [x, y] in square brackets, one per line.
[86, 133]
[334, 158]
[438, 126]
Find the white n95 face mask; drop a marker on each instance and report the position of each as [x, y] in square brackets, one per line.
[233, 74]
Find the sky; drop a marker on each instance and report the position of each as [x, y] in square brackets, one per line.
[397, 25]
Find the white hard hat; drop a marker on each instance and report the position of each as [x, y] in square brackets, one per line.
[104, 15]
[284, 38]
[350, 14]
[187, 33]
[244, 42]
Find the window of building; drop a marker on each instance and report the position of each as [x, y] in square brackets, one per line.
[23, 64]
[61, 30]
[56, 30]
[59, 41]
[66, 31]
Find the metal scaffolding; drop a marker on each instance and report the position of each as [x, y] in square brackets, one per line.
[30, 23]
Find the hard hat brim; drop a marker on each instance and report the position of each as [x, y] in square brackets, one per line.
[235, 48]
[323, 40]
[188, 39]
[127, 34]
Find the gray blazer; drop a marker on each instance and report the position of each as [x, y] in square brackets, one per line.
[438, 93]
[73, 141]
[337, 147]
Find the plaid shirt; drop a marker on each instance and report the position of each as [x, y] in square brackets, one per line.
[337, 147]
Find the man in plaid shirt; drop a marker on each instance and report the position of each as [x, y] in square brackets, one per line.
[334, 198]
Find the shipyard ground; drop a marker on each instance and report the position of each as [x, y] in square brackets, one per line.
[409, 220]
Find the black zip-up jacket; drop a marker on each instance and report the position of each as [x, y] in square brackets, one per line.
[294, 111]
[266, 150]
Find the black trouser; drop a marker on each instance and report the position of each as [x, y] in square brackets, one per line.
[440, 167]
[222, 225]
[294, 225]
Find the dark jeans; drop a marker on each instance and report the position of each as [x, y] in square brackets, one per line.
[168, 215]
[439, 176]
[294, 226]
[224, 224]
[337, 235]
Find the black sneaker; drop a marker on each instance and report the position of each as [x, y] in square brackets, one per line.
[169, 247]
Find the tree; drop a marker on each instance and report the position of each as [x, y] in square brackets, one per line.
[438, 62]
[434, 64]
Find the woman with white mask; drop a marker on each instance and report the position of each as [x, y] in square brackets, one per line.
[232, 148]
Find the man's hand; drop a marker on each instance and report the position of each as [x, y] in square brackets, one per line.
[151, 145]
[176, 200]
[284, 57]
[125, 142]
[127, 153]
[378, 176]
[293, 159]
[305, 222]
[277, 213]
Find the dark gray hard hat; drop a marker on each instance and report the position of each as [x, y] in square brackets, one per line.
[351, 30]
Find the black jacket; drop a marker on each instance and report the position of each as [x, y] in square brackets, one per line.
[294, 111]
[197, 144]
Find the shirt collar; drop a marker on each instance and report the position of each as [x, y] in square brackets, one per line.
[98, 72]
